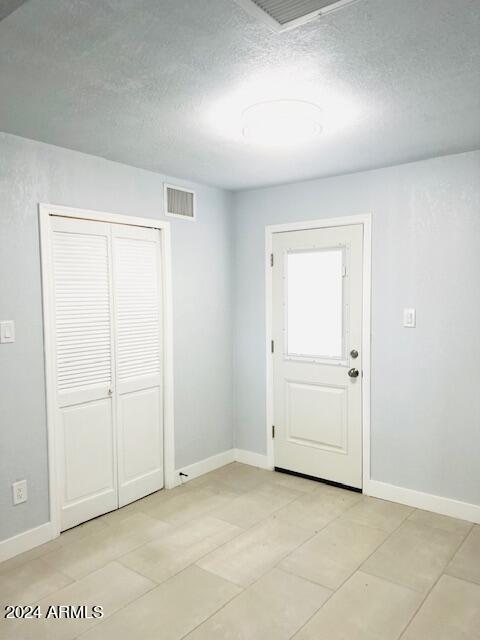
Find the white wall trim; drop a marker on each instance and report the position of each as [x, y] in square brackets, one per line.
[204, 466]
[426, 501]
[46, 211]
[25, 541]
[201, 467]
[254, 459]
[366, 221]
[100, 216]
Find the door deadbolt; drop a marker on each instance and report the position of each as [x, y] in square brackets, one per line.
[353, 373]
[354, 353]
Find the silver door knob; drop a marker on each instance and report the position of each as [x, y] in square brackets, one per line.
[353, 373]
[354, 353]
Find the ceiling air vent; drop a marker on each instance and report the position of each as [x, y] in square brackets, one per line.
[179, 202]
[281, 15]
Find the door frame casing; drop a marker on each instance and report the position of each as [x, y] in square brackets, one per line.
[366, 221]
[46, 211]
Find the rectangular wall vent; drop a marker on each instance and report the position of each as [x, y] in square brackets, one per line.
[281, 15]
[179, 202]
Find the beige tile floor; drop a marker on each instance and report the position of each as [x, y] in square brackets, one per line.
[247, 554]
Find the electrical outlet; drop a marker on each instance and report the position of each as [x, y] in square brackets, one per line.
[19, 491]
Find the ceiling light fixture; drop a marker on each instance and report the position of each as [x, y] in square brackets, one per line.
[281, 122]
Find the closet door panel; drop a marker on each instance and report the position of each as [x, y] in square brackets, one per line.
[138, 355]
[140, 443]
[88, 440]
[84, 372]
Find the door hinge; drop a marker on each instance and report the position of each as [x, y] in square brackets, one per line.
[273, 431]
[273, 346]
[271, 259]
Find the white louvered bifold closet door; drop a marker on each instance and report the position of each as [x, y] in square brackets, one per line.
[108, 351]
[85, 438]
[138, 323]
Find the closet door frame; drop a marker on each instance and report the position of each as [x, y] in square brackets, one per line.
[46, 212]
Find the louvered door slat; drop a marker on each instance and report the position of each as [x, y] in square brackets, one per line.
[82, 310]
[137, 307]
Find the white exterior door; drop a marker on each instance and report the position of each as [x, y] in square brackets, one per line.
[108, 346]
[317, 359]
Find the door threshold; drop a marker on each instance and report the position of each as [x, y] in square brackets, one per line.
[332, 483]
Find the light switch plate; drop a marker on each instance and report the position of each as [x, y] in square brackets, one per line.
[20, 493]
[7, 331]
[409, 318]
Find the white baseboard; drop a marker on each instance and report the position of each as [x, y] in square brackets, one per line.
[25, 541]
[252, 458]
[204, 466]
[376, 489]
[437, 504]
[44, 533]
[426, 501]
[220, 460]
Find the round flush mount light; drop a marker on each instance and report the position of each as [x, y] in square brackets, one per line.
[281, 122]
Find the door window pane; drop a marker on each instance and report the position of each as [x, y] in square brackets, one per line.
[315, 303]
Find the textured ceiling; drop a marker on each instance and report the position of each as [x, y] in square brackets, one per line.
[8, 6]
[161, 84]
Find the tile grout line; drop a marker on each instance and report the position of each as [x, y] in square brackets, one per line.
[270, 515]
[107, 525]
[317, 531]
[173, 526]
[191, 563]
[317, 584]
[333, 591]
[215, 612]
[348, 578]
[359, 568]
[114, 559]
[244, 530]
[243, 588]
[117, 611]
[206, 514]
[433, 585]
[210, 513]
[156, 585]
[100, 620]
[195, 562]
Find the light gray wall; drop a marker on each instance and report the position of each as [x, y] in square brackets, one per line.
[32, 172]
[426, 254]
